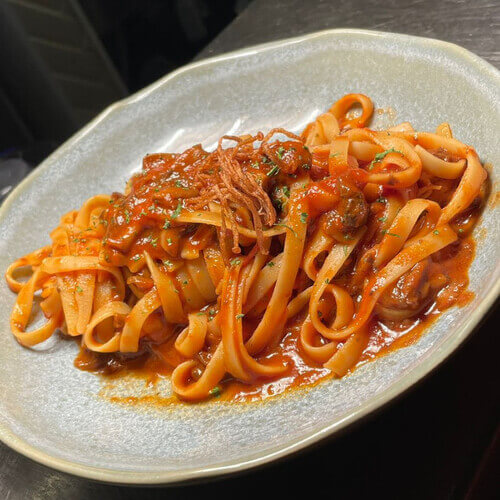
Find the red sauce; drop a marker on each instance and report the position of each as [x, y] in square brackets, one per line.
[385, 337]
[134, 222]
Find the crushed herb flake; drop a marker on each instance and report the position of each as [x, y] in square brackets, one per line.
[274, 171]
[380, 156]
[177, 211]
[288, 227]
[215, 392]
[390, 234]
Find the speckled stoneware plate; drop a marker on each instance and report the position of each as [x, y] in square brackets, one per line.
[63, 417]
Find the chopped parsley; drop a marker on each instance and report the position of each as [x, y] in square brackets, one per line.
[306, 166]
[435, 231]
[177, 211]
[382, 219]
[169, 241]
[274, 171]
[185, 282]
[381, 199]
[135, 258]
[79, 289]
[167, 263]
[239, 316]
[380, 156]
[390, 234]
[286, 191]
[270, 264]
[303, 217]
[215, 392]
[166, 225]
[235, 262]
[288, 227]
[327, 281]
[280, 152]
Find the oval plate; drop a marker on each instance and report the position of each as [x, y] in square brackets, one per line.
[52, 412]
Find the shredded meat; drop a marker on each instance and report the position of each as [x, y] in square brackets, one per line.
[409, 295]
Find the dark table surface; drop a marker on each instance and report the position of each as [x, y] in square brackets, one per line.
[440, 441]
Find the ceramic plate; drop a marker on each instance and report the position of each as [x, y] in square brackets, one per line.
[62, 417]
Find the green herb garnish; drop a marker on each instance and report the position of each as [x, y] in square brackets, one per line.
[390, 234]
[288, 227]
[177, 211]
[215, 392]
[380, 156]
[274, 171]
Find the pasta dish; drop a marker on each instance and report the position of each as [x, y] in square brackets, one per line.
[273, 260]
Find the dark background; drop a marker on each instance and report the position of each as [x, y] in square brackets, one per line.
[63, 61]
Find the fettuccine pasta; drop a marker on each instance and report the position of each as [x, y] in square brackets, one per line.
[274, 260]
